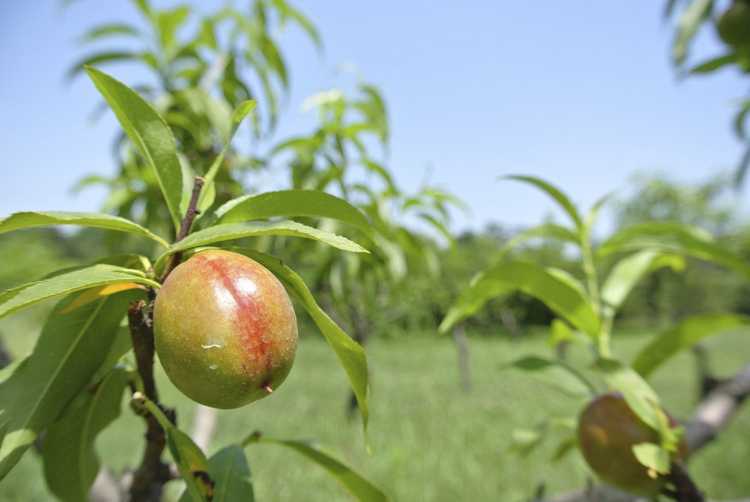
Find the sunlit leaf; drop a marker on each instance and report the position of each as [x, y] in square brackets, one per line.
[675, 238]
[629, 271]
[687, 26]
[150, 134]
[70, 462]
[70, 349]
[31, 219]
[507, 276]
[683, 336]
[652, 456]
[291, 203]
[350, 354]
[66, 283]
[555, 193]
[239, 114]
[234, 231]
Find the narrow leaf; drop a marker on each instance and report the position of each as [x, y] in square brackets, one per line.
[676, 238]
[191, 461]
[31, 219]
[358, 486]
[559, 295]
[681, 337]
[239, 114]
[638, 394]
[229, 469]
[351, 355]
[629, 271]
[539, 364]
[69, 351]
[70, 462]
[150, 134]
[555, 193]
[291, 203]
[652, 456]
[234, 231]
[66, 283]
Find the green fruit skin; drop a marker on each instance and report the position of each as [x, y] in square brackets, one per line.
[607, 431]
[734, 25]
[224, 329]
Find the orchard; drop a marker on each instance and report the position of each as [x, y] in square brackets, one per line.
[273, 305]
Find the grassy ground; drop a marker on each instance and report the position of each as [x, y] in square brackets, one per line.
[430, 441]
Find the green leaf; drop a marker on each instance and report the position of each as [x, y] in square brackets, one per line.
[676, 238]
[559, 295]
[109, 29]
[68, 282]
[629, 271]
[98, 59]
[30, 219]
[555, 193]
[150, 134]
[358, 486]
[70, 462]
[291, 203]
[535, 364]
[687, 26]
[351, 355]
[243, 109]
[234, 231]
[714, 64]
[652, 456]
[638, 394]
[190, 459]
[546, 230]
[681, 337]
[69, 351]
[229, 470]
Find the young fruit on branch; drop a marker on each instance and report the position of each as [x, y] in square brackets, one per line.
[733, 25]
[607, 431]
[224, 329]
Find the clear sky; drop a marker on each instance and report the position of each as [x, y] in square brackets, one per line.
[580, 92]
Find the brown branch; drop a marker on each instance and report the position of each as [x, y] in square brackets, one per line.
[711, 416]
[186, 224]
[152, 473]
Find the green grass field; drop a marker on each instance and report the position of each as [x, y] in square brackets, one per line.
[430, 441]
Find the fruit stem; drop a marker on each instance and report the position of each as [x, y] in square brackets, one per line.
[186, 224]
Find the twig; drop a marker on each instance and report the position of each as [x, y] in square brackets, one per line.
[464, 365]
[186, 224]
[684, 487]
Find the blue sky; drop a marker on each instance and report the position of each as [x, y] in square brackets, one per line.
[580, 92]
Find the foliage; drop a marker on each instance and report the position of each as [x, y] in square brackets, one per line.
[73, 352]
[589, 307]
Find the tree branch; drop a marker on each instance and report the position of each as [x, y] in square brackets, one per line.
[186, 224]
[152, 474]
[711, 416]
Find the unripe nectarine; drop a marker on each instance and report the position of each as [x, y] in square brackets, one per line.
[607, 431]
[224, 329]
